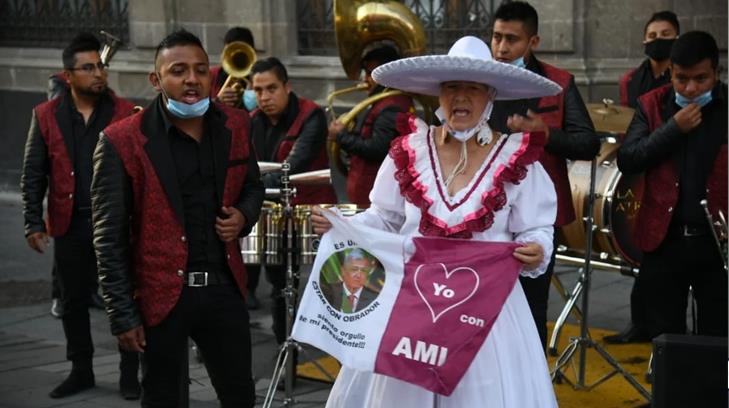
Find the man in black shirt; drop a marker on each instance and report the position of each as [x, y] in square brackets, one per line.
[58, 155]
[563, 118]
[678, 138]
[660, 32]
[174, 188]
[289, 128]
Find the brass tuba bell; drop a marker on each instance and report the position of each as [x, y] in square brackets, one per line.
[237, 60]
[357, 24]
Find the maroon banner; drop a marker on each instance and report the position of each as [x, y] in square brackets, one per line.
[451, 294]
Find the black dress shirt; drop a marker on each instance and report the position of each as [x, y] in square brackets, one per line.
[195, 169]
[85, 135]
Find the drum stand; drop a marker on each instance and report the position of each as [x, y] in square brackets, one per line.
[285, 364]
[584, 341]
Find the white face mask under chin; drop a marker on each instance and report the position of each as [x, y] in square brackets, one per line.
[484, 137]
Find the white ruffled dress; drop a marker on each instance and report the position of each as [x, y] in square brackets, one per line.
[511, 198]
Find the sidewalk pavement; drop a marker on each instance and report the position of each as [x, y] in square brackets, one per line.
[32, 345]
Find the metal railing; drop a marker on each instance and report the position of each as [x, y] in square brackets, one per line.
[53, 23]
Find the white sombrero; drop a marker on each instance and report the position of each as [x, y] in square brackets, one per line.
[469, 59]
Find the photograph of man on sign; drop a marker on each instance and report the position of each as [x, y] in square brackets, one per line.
[351, 279]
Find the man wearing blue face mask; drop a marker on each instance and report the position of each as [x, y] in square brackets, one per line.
[660, 32]
[678, 138]
[563, 117]
[174, 187]
[230, 96]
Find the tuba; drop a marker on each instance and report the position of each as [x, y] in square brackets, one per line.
[237, 60]
[357, 24]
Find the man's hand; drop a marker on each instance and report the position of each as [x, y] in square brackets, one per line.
[334, 129]
[133, 340]
[688, 118]
[229, 227]
[531, 123]
[531, 255]
[38, 241]
[229, 96]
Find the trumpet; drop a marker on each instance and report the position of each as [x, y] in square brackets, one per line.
[718, 231]
[237, 60]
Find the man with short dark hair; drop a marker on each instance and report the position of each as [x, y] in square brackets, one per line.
[369, 141]
[563, 117]
[58, 156]
[287, 127]
[174, 188]
[659, 33]
[678, 138]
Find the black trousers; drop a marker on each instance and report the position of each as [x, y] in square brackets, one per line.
[75, 265]
[216, 318]
[664, 279]
[276, 276]
[537, 294]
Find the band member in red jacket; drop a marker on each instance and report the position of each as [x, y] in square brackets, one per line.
[287, 127]
[563, 117]
[369, 141]
[678, 138]
[660, 32]
[174, 188]
[58, 157]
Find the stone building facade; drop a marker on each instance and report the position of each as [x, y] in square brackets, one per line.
[596, 40]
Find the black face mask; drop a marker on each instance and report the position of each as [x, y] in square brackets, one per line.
[659, 49]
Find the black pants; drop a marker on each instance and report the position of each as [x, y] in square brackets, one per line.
[276, 276]
[664, 279]
[216, 318]
[75, 266]
[537, 294]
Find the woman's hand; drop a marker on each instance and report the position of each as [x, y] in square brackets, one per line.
[321, 225]
[530, 254]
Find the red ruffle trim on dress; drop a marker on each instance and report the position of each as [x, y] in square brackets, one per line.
[493, 200]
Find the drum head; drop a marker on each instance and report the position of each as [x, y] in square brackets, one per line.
[626, 199]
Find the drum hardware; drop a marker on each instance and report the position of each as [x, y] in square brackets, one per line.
[608, 117]
[720, 238]
[268, 167]
[584, 340]
[289, 247]
[312, 178]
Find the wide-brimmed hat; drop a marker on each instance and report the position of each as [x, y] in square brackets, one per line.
[469, 59]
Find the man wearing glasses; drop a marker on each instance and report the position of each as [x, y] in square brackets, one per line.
[351, 294]
[58, 157]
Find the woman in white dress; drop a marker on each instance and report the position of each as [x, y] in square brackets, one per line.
[461, 180]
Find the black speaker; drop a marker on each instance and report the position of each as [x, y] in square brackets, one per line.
[689, 371]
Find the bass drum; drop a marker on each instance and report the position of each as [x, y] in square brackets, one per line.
[617, 201]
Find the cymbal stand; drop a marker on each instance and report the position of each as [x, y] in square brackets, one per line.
[285, 364]
[584, 341]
